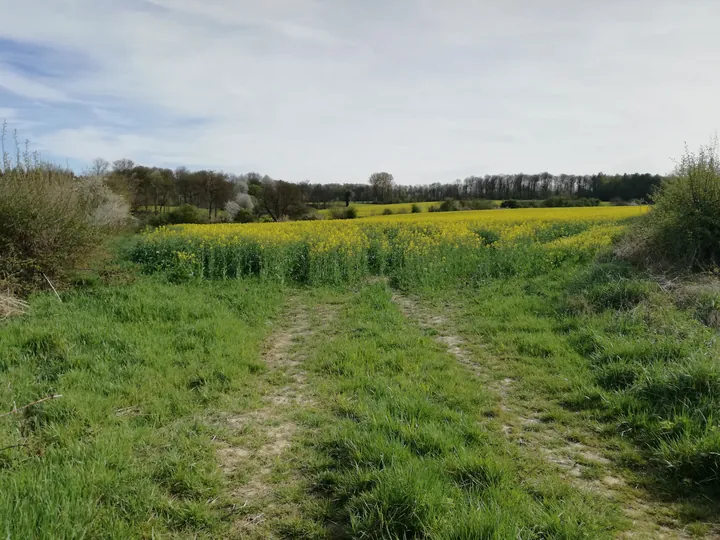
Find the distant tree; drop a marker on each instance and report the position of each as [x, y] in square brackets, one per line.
[282, 199]
[216, 189]
[381, 184]
[99, 167]
[123, 165]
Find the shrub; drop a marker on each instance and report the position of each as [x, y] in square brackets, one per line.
[349, 212]
[682, 229]
[186, 213]
[559, 201]
[479, 204]
[511, 203]
[415, 208]
[449, 205]
[244, 216]
[50, 220]
[387, 212]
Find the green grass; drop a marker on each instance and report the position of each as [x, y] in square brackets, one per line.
[403, 447]
[369, 209]
[126, 452]
[398, 440]
[605, 350]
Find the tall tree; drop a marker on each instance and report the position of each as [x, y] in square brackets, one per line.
[281, 199]
[99, 167]
[382, 183]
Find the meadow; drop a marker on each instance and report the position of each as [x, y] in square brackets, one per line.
[371, 209]
[492, 374]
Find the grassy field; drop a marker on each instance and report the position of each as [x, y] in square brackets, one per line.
[369, 209]
[491, 374]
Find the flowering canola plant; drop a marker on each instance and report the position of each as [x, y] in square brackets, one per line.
[410, 248]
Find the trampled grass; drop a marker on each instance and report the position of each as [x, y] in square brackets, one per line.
[412, 249]
[403, 446]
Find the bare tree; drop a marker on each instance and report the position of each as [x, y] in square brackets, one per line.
[100, 167]
[123, 165]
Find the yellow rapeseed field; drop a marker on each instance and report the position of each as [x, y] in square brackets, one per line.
[409, 247]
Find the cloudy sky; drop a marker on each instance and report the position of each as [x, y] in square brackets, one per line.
[333, 90]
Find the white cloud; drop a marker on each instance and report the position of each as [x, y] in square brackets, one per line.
[334, 91]
[26, 87]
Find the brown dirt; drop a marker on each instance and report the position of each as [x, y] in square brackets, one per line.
[269, 430]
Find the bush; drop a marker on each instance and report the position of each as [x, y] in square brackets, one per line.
[50, 220]
[415, 208]
[449, 205]
[387, 212]
[349, 212]
[560, 201]
[244, 216]
[511, 203]
[186, 213]
[479, 204]
[682, 230]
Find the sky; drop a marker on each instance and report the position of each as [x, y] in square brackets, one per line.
[334, 90]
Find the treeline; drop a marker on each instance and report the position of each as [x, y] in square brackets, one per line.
[153, 188]
[625, 187]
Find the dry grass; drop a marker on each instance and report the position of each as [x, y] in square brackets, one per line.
[10, 305]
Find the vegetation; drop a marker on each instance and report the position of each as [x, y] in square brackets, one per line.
[49, 218]
[496, 373]
[144, 370]
[412, 249]
[158, 188]
[683, 229]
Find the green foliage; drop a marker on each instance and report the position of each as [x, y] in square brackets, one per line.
[387, 212]
[683, 228]
[348, 212]
[511, 203]
[478, 204]
[567, 202]
[449, 205]
[415, 208]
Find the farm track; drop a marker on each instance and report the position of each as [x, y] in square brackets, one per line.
[255, 461]
[525, 427]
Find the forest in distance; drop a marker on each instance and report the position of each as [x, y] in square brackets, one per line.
[160, 187]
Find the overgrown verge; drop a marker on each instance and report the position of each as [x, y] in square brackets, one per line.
[142, 368]
[613, 347]
[682, 232]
